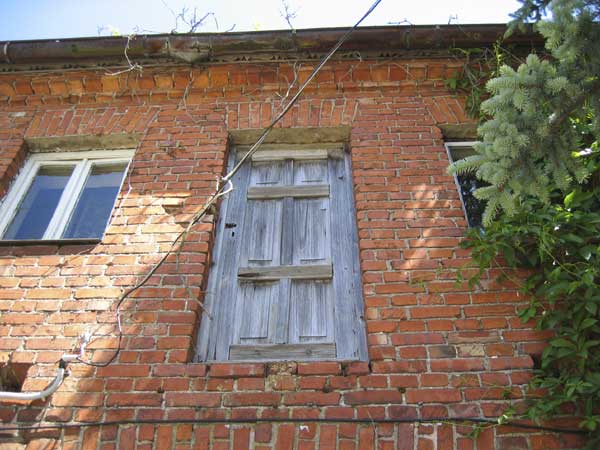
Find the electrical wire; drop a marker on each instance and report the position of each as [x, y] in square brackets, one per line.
[287, 107]
[218, 193]
[453, 420]
[224, 186]
[221, 191]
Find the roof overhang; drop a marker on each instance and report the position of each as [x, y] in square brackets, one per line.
[365, 42]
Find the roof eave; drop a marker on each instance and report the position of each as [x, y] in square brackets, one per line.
[203, 47]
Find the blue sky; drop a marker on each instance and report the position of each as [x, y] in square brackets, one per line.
[45, 19]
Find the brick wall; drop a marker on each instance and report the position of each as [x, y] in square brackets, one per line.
[437, 348]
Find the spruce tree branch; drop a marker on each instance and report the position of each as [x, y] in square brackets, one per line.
[575, 103]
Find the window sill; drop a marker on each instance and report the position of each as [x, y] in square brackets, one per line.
[58, 242]
[254, 369]
[281, 360]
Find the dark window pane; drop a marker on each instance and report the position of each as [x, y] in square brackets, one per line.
[468, 184]
[95, 202]
[38, 205]
[473, 206]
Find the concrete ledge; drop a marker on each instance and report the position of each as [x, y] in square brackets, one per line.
[459, 132]
[316, 135]
[83, 142]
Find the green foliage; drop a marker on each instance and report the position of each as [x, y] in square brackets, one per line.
[541, 159]
[528, 142]
[478, 65]
[560, 241]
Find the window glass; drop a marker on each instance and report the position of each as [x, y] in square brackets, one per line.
[39, 204]
[96, 201]
[473, 206]
[63, 195]
[468, 183]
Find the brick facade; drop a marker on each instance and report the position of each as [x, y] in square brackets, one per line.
[436, 348]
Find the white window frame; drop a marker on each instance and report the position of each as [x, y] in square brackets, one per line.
[83, 162]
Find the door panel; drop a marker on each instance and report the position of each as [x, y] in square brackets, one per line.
[311, 311]
[262, 233]
[255, 302]
[311, 239]
[310, 172]
[267, 174]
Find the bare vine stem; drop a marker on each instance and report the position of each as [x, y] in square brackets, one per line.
[131, 65]
[224, 186]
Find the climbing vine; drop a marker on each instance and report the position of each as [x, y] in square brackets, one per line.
[559, 243]
[477, 65]
[540, 157]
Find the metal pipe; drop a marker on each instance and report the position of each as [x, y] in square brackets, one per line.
[58, 379]
[40, 395]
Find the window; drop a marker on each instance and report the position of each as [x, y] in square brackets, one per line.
[467, 183]
[63, 195]
[285, 282]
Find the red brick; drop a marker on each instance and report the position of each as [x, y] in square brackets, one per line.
[357, 368]
[77, 399]
[442, 351]
[90, 439]
[435, 348]
[285, 437]
[124, 370]
[252, 399]
[399, 367]
[434, 380]
[6, 89]
[457, 365]
[137, 399]
[193, 399]
[366, 440]
[48, 293]
[520, 362]
[262, 432]
[372, 397]
[514, 443]
[237, 370]
[311, 398]
[319, 368]
[97, 293]
[433, 395]
[23, 87]
[414, 339]
[435, 311]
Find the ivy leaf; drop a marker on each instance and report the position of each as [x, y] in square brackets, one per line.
[588, 278]
[569, 199]
[591, 307]
[558, 289]
[590, 344]
[559, 342]
[573, 238]
[586, 252]
[590, 424]
[587, 323]
[509, 255]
